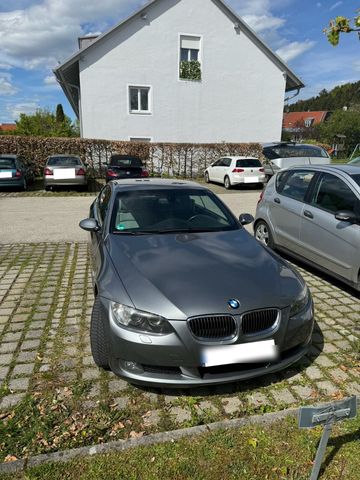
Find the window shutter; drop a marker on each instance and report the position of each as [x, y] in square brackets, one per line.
[192, 43]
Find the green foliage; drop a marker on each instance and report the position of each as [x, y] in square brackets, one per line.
[60, 116]
[344, 123]
[342, 95]
[342, 25]
[45, 123]
[190, 70]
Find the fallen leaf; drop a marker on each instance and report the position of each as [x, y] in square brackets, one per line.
[134, 434]
[10, 458]
[253, 442]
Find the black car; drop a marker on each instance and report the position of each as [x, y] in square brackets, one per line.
[14, 173]
[125, 166]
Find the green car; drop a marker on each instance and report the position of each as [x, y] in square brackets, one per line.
[14, 174]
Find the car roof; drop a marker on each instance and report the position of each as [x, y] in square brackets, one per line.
[143, 183]
[290, 144]
[240, 157]
[10, 155]
[344, 168]
[65, 155]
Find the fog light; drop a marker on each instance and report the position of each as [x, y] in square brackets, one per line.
[132, 366]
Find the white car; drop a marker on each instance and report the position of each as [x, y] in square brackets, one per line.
[232, 171]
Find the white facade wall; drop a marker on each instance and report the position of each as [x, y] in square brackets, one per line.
[240, 97]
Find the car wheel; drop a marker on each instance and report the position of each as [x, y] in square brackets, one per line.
[207, 179]
[263, 234]
[98, 340]
[227, 183]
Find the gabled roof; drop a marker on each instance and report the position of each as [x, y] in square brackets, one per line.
[68, 72]
[7, 127]
[296, 119]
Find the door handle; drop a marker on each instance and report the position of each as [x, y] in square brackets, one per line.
[277, 200]
[308, 214]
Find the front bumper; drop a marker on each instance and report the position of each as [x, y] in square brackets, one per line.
[174, 360]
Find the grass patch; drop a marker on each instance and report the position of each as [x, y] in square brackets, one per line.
[277, 452]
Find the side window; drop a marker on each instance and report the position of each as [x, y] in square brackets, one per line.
[218, 163]
[103, 203]
[295, 185]
[333, 195]
[226, 162]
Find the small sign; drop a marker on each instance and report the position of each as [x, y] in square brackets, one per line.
[335, 412]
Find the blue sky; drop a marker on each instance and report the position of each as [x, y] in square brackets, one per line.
[35, 35]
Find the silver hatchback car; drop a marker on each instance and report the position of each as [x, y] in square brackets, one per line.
[313, 213]
[64, 170]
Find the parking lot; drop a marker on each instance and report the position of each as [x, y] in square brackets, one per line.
[49, 383]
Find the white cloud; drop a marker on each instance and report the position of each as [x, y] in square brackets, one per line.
[261, 23]
[6, 87]
[14, 110]
[336, 5]
[44, 33]
[294, 49]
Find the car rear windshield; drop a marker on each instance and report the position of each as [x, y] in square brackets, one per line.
[291, 151]
[63, 162]
[248, 163]
[125, 162]
[7, 163]
[163, 210]
[356, 178]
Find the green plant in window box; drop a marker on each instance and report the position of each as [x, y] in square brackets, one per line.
[190, 70]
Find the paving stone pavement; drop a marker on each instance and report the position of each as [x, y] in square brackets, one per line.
[45, 306]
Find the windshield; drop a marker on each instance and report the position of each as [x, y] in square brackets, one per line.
[7, 163]
[64, 162]
[248, 163]
[169, 211]
[356, 178]
[290, 151]
[126, 162]
[355, 161]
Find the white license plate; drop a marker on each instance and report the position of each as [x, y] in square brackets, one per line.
[5, 174]
[251, 179]
[264, 351]
[64, 173]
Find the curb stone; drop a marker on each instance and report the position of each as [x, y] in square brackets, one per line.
[153, 439]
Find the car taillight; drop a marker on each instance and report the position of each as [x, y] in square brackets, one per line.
[261, 197]
[81, 171]
[261, 169]
[145, 173]
[111, 173]
[18, 173]
[238, 170]
[47, 171]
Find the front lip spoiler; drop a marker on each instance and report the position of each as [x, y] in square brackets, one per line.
[183, 381]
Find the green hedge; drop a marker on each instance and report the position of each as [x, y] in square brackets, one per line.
[186, 160]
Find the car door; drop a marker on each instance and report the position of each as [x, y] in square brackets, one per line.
[225, 169]
[328, 242]
[286, 206]
[98, 211]
[214, 171]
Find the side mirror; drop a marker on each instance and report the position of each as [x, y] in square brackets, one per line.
[347, 216]
[246, 219]
[90, 225]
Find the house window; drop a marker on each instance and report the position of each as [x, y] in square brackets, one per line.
[139, 99]
[308, 122]
[190, 66]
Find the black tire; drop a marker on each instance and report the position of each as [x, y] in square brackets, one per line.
[207, 179]
[98, 339]
[263, 234]
[227, 183]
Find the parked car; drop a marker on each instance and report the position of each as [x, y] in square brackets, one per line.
[231, 171]
[64, 170]
[284, 155]
[177, 281]
[125, 166]
[355, 161]
[313, 213]
[14, 173]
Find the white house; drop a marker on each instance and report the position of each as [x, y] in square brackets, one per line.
[178, 71]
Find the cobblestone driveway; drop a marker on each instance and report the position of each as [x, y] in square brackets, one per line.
[45, 304]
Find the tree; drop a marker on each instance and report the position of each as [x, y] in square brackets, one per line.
[342, 25]
[45, 123]
[344, 123]
[60, 116]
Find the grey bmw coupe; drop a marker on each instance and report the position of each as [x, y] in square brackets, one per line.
[184, 295]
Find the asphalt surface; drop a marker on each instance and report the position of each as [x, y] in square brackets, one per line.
[56, 219]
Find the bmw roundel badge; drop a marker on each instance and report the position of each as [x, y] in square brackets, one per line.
[234, 303]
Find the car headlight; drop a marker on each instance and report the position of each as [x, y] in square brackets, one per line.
[140, 321]
[301, 301]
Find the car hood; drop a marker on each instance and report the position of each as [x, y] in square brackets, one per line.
[183, 275]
